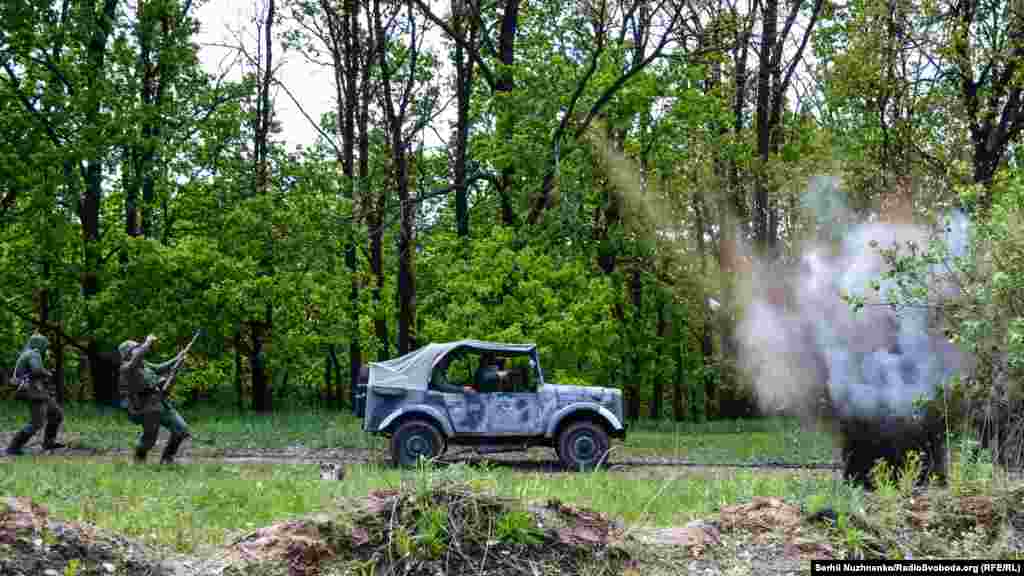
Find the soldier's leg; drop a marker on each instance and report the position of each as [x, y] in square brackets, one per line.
[150, 430]
[54, 418]
[174, 423]
[38, 415]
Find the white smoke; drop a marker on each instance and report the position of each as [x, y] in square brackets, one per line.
[800, 338]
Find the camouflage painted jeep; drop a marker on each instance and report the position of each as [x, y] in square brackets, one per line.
[488, 396]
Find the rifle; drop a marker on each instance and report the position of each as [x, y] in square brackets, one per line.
[169, 381]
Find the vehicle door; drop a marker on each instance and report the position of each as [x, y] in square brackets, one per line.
[512, 414]
[515, 411]
[467, 411]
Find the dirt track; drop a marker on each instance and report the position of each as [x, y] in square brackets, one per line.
[536, 460]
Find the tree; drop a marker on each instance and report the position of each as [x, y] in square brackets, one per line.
[407, 108]
[774, 78]
[335, 27]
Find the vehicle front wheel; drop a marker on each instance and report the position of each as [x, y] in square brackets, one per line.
[415, 439]
[582, 446]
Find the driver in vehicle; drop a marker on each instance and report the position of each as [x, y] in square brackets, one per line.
[487, 373]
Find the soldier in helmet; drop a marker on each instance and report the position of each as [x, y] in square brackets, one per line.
[141, 386]
[35, 384]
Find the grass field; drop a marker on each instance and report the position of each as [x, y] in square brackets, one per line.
[190, 507]
[196, 507]
[203, 503]
[216, 431]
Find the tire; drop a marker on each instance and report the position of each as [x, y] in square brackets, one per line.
[582, 446]
[415, 439]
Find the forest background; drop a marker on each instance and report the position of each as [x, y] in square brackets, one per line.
[597, 176]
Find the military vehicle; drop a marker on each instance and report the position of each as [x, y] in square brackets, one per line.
[488, 396]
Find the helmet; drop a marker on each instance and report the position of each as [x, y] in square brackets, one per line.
[39, 343]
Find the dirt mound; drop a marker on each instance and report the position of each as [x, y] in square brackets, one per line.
[773, 520]
[762, 515]
[450, 528]
[33, 544]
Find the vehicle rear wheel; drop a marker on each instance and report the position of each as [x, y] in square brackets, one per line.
[582, 446]
[415, 439]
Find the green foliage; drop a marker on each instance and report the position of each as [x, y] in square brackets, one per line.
[518, 527]
[610, 283]
[503, 291]
[432, 530]
[973, 471]
[979, 293]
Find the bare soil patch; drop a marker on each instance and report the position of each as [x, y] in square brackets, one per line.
[34, 544]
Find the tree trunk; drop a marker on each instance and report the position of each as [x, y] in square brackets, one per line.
[261, 383]
[463, 92]
[145, 154]
[678, 399]
[339, 396]
[706, 344]
[406, 259]
[506, 123]
[732, 210]
[44, 307]
[659, 377]
[396, 116]
[257, 358]
[239, 388]
[636, 292]
[349, 40]
[764, 126]
[58, 368]
[375, 210]
[131, 195]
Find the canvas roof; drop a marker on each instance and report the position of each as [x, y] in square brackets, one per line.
[413, 369]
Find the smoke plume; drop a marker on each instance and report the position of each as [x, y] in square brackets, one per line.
[800, 340]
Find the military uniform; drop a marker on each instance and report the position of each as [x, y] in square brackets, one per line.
[35, 385]
[141, 394]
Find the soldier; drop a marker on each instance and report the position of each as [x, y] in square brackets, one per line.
[142, 395]
[486, 375]
[35, 385]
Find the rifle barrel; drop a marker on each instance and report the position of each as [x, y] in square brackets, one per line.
[172, 377]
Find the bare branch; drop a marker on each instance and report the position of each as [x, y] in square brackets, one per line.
[803, 44]
[306, 115]
[474, 54]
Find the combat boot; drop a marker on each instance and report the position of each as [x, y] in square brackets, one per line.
[171, 449]
[18, 443]
[50, 436]
[140, 455]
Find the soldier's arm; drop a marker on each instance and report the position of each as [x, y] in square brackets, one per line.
[164, 367]
[139, 352]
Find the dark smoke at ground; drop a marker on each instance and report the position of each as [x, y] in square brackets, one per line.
[805, 347]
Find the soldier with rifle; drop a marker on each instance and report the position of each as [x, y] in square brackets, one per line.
[35, 385]
[144, 388]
